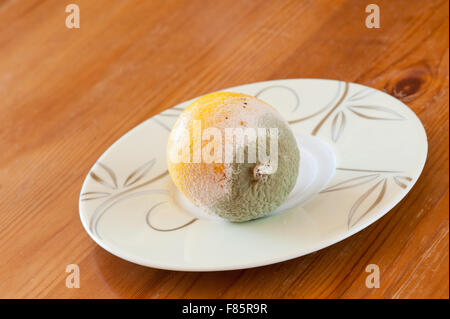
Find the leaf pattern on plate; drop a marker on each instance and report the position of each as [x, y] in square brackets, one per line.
[112, 184]
[139, 173]
[352, 182]
[337, 126]
[356, 214]
[339, 106]
[135, 176]
[331, 103]
[127, 190]
[373, 112]
[334, 108]
[365, 92]
[94, 195]
[380, 179]
[401, 180]
[110, 172]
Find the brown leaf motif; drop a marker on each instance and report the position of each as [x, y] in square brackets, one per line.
[338, 106]
[139, 173]
[371, 112]
[352, 182]
[373, 196]
[357, 212]
[94, 195]
[129, 189]
[402, 180]
[112, 184]
[134, 177]
[361, 94]
[337, 126]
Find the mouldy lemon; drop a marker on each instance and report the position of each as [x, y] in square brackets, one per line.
[235, 190]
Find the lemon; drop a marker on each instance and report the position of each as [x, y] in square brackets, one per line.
[208, 168]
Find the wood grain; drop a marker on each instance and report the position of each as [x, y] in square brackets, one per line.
[66, 95]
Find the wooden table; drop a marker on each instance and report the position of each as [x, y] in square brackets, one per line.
[67, 94]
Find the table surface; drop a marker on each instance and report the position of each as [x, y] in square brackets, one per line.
[67, 94]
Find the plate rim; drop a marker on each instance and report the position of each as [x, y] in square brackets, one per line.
[259, 263]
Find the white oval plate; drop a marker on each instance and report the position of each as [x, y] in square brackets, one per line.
[380, 146]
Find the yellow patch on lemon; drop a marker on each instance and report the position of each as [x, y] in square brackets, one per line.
[236, 191]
